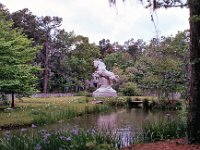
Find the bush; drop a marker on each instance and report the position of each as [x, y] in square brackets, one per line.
[117, 102]
[130, 89]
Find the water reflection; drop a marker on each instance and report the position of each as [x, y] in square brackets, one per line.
[124, 123]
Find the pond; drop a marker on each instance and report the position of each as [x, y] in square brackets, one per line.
[125, 123]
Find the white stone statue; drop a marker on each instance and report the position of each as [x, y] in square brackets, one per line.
[104, 80]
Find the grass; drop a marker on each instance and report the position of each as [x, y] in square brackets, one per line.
[46, 110]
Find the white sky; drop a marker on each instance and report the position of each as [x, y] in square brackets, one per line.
[97, 20]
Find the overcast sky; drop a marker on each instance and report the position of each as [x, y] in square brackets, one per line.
[97, 20]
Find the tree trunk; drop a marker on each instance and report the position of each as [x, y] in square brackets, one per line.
[13, 100]
[194, 85]
[46, 71]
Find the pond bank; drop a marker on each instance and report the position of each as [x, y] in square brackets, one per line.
[40, 111]
[175, 144]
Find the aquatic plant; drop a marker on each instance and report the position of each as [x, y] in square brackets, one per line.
[75, 139]
[165, 128]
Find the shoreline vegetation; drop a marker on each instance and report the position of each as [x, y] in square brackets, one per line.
[32, 112]
[41, 111]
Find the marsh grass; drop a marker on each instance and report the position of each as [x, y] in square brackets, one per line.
[165, 128]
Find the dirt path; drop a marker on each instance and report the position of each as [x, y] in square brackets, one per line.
[177, 144]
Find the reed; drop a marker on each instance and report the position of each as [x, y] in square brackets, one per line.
[165, 128]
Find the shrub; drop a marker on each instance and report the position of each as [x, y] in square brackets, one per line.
[130, 89]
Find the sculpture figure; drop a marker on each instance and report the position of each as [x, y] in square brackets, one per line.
[104, 80]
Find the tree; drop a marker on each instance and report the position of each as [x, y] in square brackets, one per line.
[48, 24]
[119, 62]
[60, 68]
[16, 55]
[194, 68]
[43, 31]
[120, 59]
[194, 90]
[72, 63]
[135, 48]
[105, 47]
[29, 24]
[4, 12]
[81, 62]
[165, 70]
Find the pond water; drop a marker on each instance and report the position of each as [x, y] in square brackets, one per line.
[125, 123]
[120, 119]
[122, 122]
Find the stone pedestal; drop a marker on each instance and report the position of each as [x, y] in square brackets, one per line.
[104, 92]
